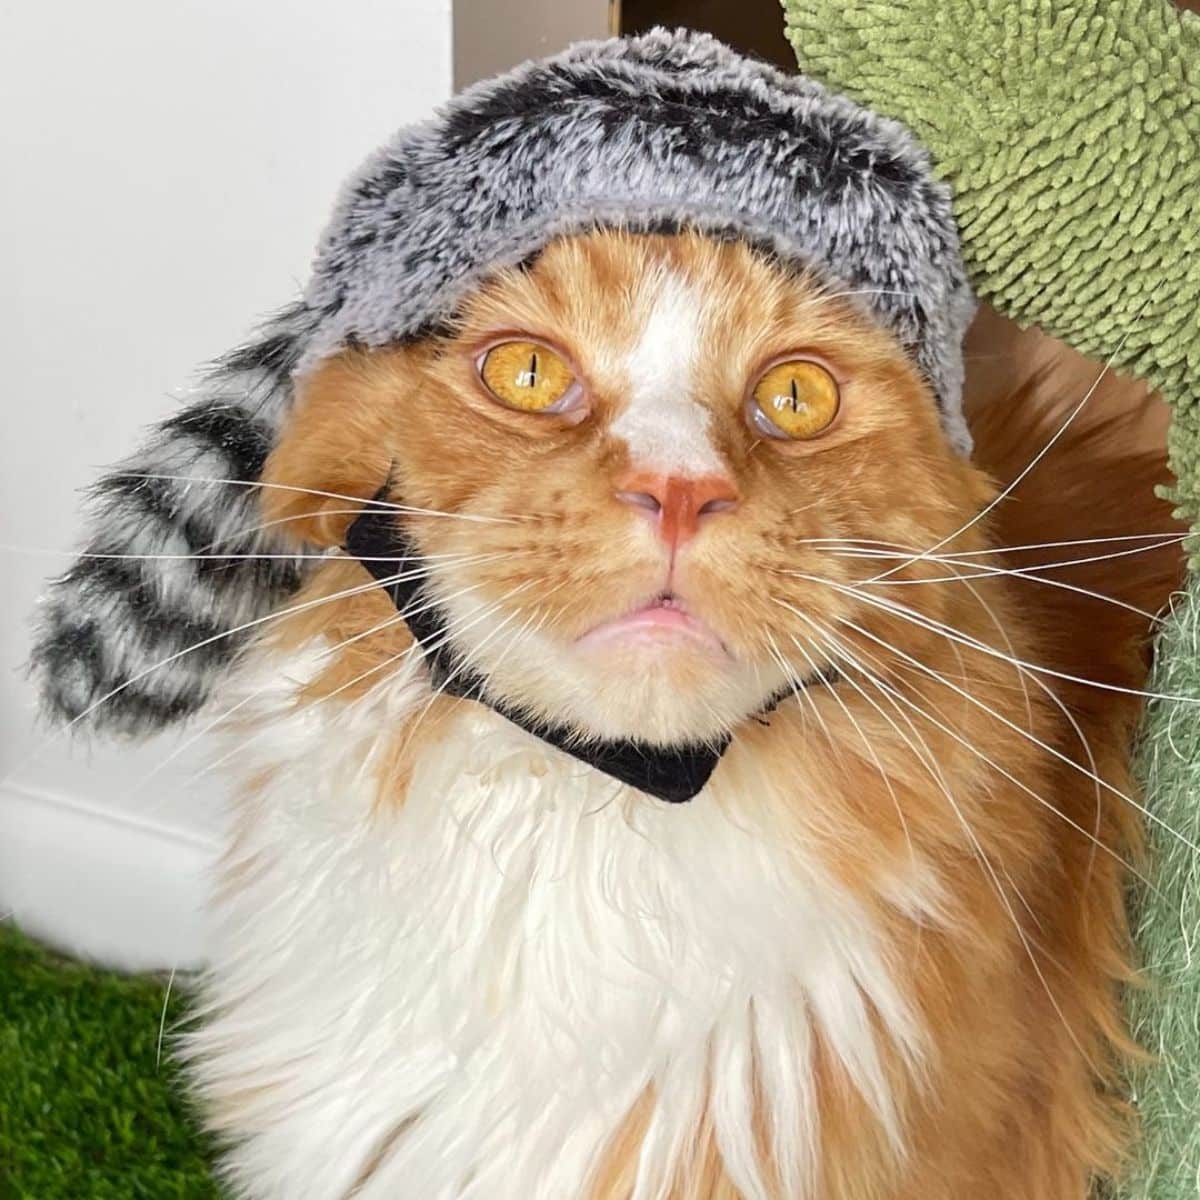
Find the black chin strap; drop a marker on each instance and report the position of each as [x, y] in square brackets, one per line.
[672, 774]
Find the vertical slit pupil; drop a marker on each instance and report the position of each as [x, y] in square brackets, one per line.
[795, 396]
[533, 369]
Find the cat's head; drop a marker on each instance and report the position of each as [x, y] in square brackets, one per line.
[625, 467]
[662, 462]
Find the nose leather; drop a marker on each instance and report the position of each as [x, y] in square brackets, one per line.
[677, 504]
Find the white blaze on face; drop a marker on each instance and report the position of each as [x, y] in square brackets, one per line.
[664, 425]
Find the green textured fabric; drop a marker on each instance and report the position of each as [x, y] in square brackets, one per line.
[87, 1110]
[1070, 133]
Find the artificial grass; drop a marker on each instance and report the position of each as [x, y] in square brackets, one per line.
[87, 1110]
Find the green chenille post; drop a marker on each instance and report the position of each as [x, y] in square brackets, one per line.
[1070, 134]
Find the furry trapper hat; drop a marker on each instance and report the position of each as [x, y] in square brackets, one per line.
[661, 132]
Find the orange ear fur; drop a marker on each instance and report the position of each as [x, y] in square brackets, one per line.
[339, 441]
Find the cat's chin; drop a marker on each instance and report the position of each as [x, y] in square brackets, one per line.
[663, 681]
[656, 672]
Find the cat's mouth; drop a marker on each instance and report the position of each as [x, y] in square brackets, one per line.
[664, 620]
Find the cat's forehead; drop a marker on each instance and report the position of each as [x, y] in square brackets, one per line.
[603, 288]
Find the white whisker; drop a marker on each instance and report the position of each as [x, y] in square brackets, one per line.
[990, 873]
[278, 614]
[937, 677]
[333, 554]
[983, 571]
[955, 635]
[1149, 814]
[162, 1022]
[368, 503]
[868, 746]
[1033, 462]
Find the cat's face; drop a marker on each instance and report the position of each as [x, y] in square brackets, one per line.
[644, 445]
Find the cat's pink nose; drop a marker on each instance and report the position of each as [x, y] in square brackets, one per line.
[675, 503]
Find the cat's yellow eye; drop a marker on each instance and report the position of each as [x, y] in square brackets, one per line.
[528, 376]
[797, 399]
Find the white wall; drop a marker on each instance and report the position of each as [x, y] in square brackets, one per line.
[168, 165]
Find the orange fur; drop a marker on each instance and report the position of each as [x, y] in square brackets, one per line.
[1018, 987]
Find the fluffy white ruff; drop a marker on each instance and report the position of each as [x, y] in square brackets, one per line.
[463, 994]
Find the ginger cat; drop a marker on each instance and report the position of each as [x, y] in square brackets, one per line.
[661, 487]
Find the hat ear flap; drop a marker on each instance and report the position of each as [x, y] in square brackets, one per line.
[177, 555]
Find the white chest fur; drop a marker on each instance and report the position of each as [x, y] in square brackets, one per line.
[463, 996]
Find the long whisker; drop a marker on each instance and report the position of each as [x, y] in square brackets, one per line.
[838, 647]
[1148, 813]
[1160, 541]
[1049, 692]
[1033, 462]
[249, 530]
[988, 868]
[368, 503]
[1167, 536]
[290, 610]
[983, 571]
[803, 695]
[224, 716]
[895, 696]
[957, 636]
[216, 764]
[868, 745]
[926, 760]
[400, 657]
[465, 658]
[334, 553]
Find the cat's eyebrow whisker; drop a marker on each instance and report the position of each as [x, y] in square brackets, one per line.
[367, 503]
[933, 627]
[823, 297]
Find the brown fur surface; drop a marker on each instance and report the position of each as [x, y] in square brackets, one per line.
[1017, 985]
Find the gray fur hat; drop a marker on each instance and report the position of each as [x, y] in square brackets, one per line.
[659, 132]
